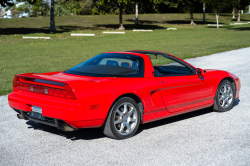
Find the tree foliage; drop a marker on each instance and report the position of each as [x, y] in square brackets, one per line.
[191, 4]
[240, 5]
[217, 6]
[6, 3]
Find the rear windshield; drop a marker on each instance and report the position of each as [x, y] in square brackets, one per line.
[110, 65]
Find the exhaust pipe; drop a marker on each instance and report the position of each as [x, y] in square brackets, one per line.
[64, 127]
[67, 128]
[20, 116]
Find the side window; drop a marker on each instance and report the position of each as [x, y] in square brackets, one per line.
[168, 67]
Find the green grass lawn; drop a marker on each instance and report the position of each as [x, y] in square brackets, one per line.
[19, 55]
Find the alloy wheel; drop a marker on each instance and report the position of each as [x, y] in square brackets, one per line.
[225, 96]
[125, 118]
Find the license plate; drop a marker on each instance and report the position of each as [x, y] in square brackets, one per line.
[36, 112]
[36, 109]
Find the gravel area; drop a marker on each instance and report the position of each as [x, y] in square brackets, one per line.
[199, 138]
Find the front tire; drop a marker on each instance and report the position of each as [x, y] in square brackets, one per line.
[123, 119]
[225, 96]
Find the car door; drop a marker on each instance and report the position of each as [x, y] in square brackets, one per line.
[180, 93]
[181, 88]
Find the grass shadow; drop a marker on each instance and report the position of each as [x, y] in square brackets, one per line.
[238, 28]
[62, 29]
[145, 21]
[188, 22]
[235, 19]
[45, 30]
[128, 26]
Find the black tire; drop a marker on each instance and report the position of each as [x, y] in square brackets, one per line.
[111, 130]
[218, 103]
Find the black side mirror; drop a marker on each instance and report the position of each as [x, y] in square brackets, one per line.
[199, 71]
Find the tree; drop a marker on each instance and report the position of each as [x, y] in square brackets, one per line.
[233, 12]
[120, 4]
[24, 8]
[204, 12]
[145, 1]
[5, 3]
[190, 3]
[217, 6]
[240, 5]
[52, 10]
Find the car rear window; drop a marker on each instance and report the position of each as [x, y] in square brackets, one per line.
[110, 65]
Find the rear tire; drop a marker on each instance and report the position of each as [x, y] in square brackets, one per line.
[123, 119]
[225, 96]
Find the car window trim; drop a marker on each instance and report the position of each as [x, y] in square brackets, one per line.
[166, 56]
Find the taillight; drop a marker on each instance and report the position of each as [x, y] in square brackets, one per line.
[66, 92]
[15, 82]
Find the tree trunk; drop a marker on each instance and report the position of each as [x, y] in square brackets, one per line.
[191, 15]
[136, 13]
[120, 17]
[217, 19]
[204, 12]
[52, 17]
[233, 12]
[238, 16]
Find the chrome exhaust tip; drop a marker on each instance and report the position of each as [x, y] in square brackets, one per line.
[67, 128]
[20, 116]
[64, 126]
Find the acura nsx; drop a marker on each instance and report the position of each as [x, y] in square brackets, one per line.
[118, 91]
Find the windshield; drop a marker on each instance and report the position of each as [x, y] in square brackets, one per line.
[110, 65]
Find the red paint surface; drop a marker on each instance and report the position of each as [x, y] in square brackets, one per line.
[161, 96]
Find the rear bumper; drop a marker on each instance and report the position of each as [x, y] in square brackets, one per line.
[53, 109]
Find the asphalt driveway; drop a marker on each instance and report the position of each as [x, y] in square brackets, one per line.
[198, 138]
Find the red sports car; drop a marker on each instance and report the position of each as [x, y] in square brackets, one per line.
[120, 90]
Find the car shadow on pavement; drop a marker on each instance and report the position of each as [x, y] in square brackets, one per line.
[236, 102]
[174, 119]
[180, 118]
[96, 133]
[81, 134]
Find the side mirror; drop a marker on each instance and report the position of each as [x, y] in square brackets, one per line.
[199, 71]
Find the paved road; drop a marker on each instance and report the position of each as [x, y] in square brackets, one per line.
[199, 138]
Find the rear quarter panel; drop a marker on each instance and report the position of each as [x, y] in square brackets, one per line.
[105, 91]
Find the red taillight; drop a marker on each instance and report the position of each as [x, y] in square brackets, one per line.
[65, 92]
[15, 82]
